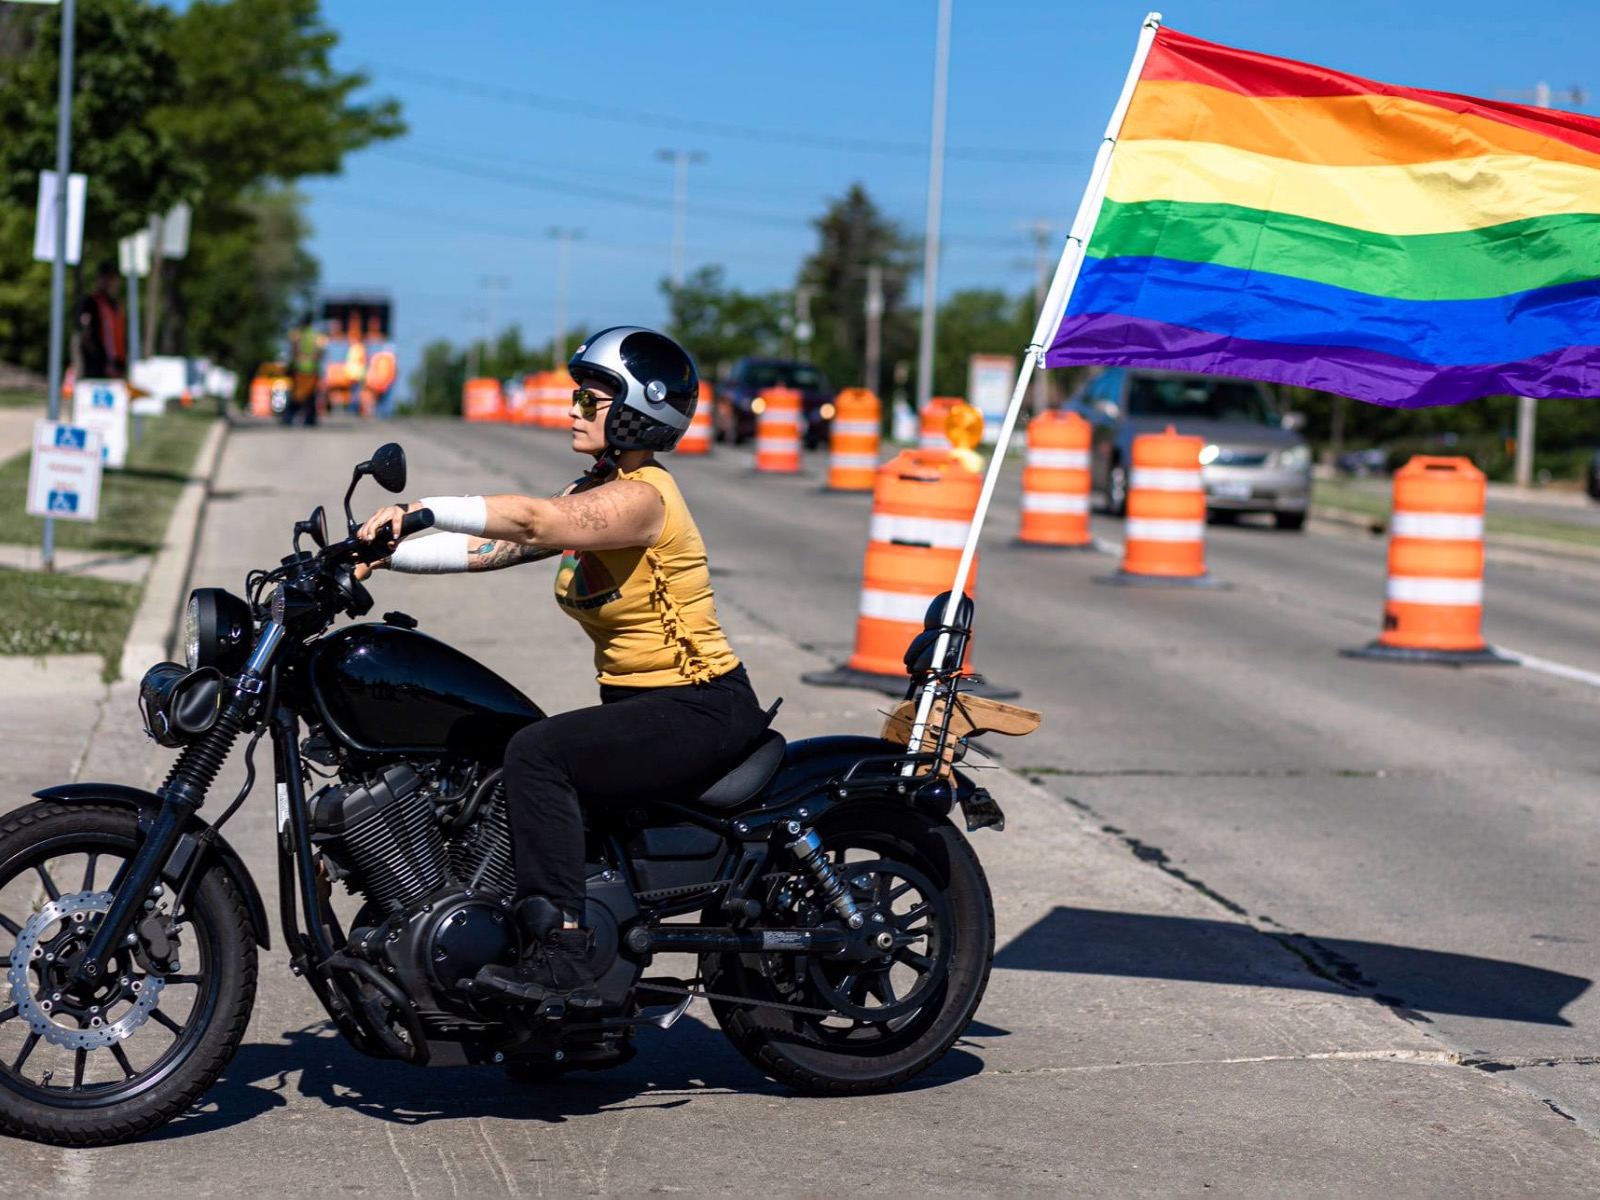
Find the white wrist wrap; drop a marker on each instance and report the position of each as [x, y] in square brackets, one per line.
[458, 514]
[440, 554]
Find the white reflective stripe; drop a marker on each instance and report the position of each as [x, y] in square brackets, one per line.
[1445, 527]
[777, 445]
[919, 531]
[1146, 530]
[1158, 479]
[1405, 589]
[861, 462]
[856, 428]
[1055, 502]
[894, 606]
[1066, 460]
[934, 441]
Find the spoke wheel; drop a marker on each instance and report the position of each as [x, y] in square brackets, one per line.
[892, 1020]
[88, 1064]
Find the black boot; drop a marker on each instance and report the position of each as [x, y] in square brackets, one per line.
[553, 968]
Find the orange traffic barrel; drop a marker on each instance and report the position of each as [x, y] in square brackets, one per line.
[697, 438]
[261, 396]
[923, 503]
[558, 389]
[853, 444]
[482, 400]
[519, 400]
[933, 434]
[1433, 600]
[778, 430]
[1164, 536]
[1055, 482]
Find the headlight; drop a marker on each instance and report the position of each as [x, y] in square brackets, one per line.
[1208, 454]
[216, 630]
[826, 412]
[758, 405]
[1295, 458]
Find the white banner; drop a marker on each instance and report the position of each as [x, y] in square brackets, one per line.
[102, 405]
[64, 474]
[989, 379]
[44, 225]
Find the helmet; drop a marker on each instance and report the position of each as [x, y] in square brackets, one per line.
[654, 379]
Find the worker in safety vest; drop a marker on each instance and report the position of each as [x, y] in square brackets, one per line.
[305, 357]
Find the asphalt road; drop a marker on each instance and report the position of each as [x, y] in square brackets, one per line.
[1270, 919]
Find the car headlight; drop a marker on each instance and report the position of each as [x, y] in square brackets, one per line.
[758, 405]
[1208, 454]
[1295, 458]
[826, 412]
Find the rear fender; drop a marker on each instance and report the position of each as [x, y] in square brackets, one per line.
[148, 804]
[810, 764]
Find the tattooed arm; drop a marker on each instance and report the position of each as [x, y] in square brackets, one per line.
[496, 556]
[623, 512]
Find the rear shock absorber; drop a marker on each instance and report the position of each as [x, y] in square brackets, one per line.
[807, 849]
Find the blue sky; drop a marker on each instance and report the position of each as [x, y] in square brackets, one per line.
[790, 104]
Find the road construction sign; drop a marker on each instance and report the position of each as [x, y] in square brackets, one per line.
[64, 474]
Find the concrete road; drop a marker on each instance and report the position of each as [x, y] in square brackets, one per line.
[1271, 920]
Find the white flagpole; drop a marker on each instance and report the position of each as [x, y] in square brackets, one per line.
[1055, 304]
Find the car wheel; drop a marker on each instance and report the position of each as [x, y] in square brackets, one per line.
[1292, 521]
[1117, 490]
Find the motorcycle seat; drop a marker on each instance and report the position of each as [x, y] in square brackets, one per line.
[749, 777]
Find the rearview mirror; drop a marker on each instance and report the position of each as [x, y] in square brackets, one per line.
[388, 467]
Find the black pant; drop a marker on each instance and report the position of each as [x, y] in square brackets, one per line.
[637, 743]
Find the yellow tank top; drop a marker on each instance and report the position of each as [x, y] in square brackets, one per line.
[649, 610]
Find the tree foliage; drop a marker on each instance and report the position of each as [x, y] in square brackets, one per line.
[718, 324]
[223, 105]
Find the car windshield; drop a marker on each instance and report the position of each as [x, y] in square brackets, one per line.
[1198, 399]
[802, 377]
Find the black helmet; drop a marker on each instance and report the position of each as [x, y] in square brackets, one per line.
[654, 379]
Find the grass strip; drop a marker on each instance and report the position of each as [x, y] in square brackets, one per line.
[18, 398]
[1329, 494]
[47, 613]
[135, 502]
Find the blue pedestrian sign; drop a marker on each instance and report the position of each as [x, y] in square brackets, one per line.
[70, 438]
[63, 502]
[64, 475]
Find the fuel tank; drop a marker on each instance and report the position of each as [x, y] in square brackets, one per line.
[381, 688]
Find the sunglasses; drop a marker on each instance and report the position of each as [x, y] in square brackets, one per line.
[589, 402]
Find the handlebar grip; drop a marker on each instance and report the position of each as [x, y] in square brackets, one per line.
[383, 546]
[416, 521]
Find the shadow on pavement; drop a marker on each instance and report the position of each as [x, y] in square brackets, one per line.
[672, 1068]
[1096, 942]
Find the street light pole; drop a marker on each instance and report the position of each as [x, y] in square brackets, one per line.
[1041, 230]
[874, 364]
[680, 203]
[58, 266]
[490, 284]
[930, 254]
[564, 239]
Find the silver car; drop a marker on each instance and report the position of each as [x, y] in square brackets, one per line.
[1254, 460]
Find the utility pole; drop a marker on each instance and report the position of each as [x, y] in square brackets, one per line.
[490, 285]
[874, 366]
[1041, 230]
[680, 203]
[473, 347]
[564, 239]
[930, 253]
[58, 267]
[1527, 406]
[802, 321]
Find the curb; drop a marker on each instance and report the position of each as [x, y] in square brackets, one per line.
[155, 625]
[1506, 541]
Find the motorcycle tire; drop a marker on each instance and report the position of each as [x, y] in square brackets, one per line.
[797, 1049]
[217, 955]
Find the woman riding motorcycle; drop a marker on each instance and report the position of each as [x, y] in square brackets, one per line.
[676, 709]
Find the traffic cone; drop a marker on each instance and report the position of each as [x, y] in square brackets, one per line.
[853, 441]
[697, 438]
[778, 431]
[1055, 482]
[1433, 599]
[1164, 536]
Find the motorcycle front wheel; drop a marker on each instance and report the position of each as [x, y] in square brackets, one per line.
[88, 1065]
[877, 1024]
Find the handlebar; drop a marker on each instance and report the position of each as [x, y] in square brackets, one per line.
[354, 550]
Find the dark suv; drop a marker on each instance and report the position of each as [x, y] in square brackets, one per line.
[735, 409]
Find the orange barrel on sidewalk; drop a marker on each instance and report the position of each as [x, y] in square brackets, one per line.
[778, 431]
[261, 396]
[482, 400]
[933, 434]
[697, 438]
[1433, 600]
[1165, 531]
[1055, 482]
[853, 444]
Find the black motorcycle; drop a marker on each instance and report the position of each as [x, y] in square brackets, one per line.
[842, 926]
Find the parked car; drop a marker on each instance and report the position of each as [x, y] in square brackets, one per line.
[1254, 459]
[737, 402]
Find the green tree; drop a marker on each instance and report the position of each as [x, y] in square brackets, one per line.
[977, 321]
[851, 235]
[718, 324]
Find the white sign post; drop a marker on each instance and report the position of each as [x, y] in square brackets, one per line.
[102, 405]
[64, 474]
[989, 379]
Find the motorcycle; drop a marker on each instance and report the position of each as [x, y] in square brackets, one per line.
[842, 926]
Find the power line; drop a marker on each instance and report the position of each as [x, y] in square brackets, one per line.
[598, 112]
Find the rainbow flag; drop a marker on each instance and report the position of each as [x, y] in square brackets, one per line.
[1280, 221]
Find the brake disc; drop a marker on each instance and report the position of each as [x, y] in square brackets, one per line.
[47, 1011]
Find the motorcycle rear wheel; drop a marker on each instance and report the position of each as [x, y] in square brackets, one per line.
[837, 1056]
[152, 1055]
